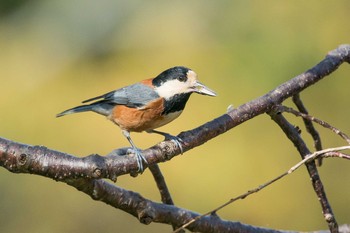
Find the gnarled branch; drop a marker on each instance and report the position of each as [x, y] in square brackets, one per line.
[86, 173]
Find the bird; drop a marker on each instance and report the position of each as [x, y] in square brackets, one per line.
[147, 105]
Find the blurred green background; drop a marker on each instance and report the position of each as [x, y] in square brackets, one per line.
[55, 54]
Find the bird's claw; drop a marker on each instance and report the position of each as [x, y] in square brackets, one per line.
[139, 159]
[178, 141]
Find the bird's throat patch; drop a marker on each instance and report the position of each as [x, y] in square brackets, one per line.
[176, 103]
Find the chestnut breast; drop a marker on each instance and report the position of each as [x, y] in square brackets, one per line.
[142, 119]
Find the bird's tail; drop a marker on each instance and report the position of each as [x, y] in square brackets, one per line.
[82, 108]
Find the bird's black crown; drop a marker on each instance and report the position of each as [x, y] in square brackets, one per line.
[177, 72]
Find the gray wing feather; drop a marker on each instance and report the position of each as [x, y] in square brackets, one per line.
[134, 96]
[139, 95]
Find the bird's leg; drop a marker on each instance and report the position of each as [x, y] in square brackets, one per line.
[170, 137]
[139, 156]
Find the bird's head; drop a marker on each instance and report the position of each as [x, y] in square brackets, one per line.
[179, 80]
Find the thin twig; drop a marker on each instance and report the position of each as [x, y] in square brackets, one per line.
[309, 125]
[243, 196]
[314, 119]
[330, 152]
[292, 133]
[162, 186]
[336, 155]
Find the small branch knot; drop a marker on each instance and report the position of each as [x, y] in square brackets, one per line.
[329, 217]
[146, 216]
[97, 173]
[146, 220]
[22, 159]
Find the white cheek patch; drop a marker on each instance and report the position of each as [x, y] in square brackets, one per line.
[171, 88]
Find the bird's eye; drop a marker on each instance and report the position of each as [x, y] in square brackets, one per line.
[182, 78]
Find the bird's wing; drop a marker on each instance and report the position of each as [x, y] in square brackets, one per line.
[134, 96]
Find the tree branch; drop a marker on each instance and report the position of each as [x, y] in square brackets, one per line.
[293, 135]
[85, 173]
[59, 165]
[162, 187]
[148, 211]
[309, 125]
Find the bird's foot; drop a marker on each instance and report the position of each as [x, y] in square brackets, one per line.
[139, 159]
[178, 141]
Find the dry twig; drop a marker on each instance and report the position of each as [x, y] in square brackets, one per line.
[331, 152]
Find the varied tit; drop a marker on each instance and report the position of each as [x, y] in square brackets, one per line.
[147, 105]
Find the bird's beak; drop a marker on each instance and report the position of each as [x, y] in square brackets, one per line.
[203, 90]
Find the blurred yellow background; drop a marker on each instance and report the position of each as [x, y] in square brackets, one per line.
[55, 54]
